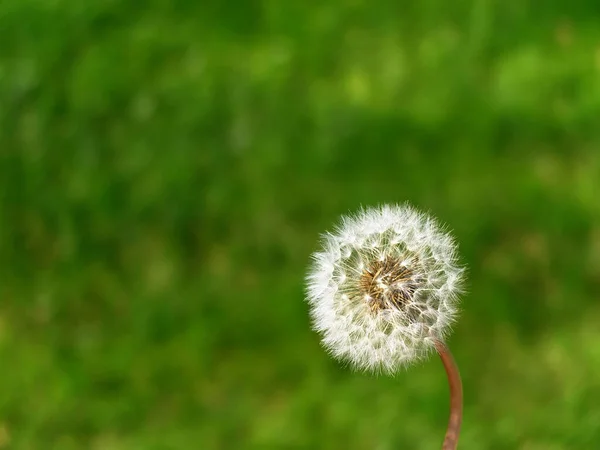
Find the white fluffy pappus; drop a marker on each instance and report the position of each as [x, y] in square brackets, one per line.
[384, 287]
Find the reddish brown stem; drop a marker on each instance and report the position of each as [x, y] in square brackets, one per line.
[456, 396]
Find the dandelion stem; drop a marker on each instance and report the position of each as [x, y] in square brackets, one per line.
[456, 396]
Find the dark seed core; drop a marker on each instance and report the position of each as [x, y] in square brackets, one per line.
[388, 284]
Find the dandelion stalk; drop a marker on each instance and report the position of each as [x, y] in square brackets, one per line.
[456, 396]
[383, 293]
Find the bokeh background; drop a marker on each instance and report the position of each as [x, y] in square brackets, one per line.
[166, 170]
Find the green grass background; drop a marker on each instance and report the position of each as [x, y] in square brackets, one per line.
[166, 169]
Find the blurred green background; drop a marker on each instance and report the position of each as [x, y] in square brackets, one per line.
[166, 170]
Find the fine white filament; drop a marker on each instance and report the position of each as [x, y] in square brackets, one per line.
[384, 287]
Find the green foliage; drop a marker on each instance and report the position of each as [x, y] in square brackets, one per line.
[165, 172]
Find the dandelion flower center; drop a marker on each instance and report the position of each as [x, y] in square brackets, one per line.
[387, 284]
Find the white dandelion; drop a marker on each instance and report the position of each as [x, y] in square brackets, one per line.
[383, 291]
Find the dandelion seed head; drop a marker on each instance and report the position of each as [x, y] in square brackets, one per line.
[383, 287]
